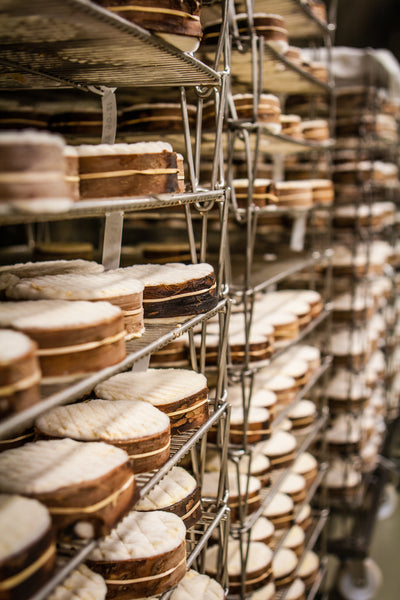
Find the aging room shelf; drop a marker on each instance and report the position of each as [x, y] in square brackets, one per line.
[99, 208]
[48, 43]
[300, 21]
[278, 476]
[154, 337]
[274, 143]
[267, 273]
[280, 75]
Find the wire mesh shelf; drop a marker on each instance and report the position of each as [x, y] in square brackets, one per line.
[100, 207]
[154, 337]
[78, 43]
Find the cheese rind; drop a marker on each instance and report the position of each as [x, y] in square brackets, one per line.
[47, 465]
[103, 420]
[22, 522]
[141, 535]
[82, 584]
[160, 387]
[201, 587]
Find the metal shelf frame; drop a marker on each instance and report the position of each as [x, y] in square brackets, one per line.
[101, 207]
[155, 337]
[79, 43]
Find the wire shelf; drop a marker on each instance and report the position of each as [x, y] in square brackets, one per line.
[278, 476]
[280, 75]
[268, 273]
[300, 21]
[48, 43]
[278, 143]
[154, 337]
[100, 207]
[71, 556]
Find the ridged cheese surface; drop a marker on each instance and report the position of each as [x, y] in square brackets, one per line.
[260, 555]
[141, 535]
[160, 387]
[279, 505]
[169, 273]
[284, 562]
[13, 345]
[280, 443]
[22, 522]
[200, 587]
[52, 267]
[101, 419]
[117, 149]
[75, 286]
[82, 584]
[175, 486]
[48, 465]
[53, 314]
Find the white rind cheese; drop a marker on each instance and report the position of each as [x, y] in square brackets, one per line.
[141, 535]
[22, 522]
[160, 387]
[175, 486]
[82, 584]
[200, 587]
[284, 562]
[13, 345]
[75, 286]
[259, 556]
[169, 273]
[101, 419]
[53, 314]
[117, 149]
[51, 267]
[49, 465]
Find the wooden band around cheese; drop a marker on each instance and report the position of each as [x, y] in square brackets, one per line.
[285, 580]
[22, 384]
[153, 9]
[42, 176]
[155, 118]
[77, 123]
[196, 293]
[261, 352]
[131, 313]
[70, 510]
[127, 172]
[187, 409]
[17, 439]
[158, 451]
[281, 459]
[272, 197]
[249, 501]
[264, 575]
[82, 347]
[140, 579]
[18, 578]
[250, 431]
[284, 519]
[192, 510]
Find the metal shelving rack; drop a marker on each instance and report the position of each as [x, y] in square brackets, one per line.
[354, 514]
[257, 67]
[77, 44]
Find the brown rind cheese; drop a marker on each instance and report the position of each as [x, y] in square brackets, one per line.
[24, 572]
[166, 16]
[159, 301]
[149, 573]
[101, 502]
[19, 378]
[159, 175]
[87, 509]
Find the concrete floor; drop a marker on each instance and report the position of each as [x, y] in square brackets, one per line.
[385, 551]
